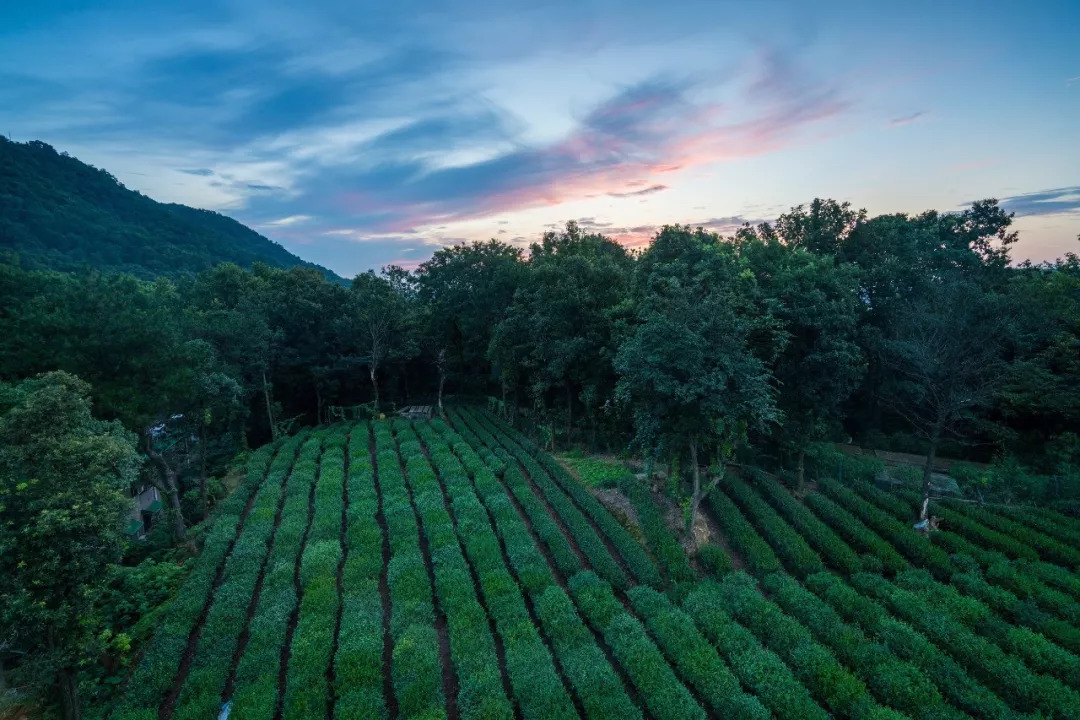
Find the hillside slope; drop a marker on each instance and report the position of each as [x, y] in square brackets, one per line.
[59, 213]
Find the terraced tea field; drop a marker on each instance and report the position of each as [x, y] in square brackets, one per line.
[452, 570]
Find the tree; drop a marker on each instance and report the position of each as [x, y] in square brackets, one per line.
[817, 303]
[947, 351]
[687, 369]
[379, 323]
[467, 289]
[558, 334]
[64, 477]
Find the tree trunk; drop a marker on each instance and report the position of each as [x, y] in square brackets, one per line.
[800, 471]
[269, 407]
[204, 502]
[170, 486]
[69, 694]
[440, 363]
[569, 413]
[695, 498]
[3, 677]
[374, 372]
[318, 404]
[935, 437]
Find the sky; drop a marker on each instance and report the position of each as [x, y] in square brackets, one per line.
[360, 134]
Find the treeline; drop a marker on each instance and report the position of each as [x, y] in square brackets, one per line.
[901, 332]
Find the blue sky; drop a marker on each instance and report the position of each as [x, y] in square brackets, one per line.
[360, 134]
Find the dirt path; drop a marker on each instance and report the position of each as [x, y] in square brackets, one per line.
[384, 584]
[168, 703]
[294, 616]
[331, 673]
[245, 634]
[449, 676]
[500, 649]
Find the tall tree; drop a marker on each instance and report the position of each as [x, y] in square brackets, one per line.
[559, 331]
[63, 500]
[467, 288]
[379, 321]
[817, 303]
[947, 352]
[687, 369]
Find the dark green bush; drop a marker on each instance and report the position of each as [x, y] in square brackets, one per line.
[660, 689]
[856, 533]
[797, 556]
[755, 552]
[695, 658]
[955, 684]
[715, 559]
[759, 669]
[1025, 690]
[834, 551]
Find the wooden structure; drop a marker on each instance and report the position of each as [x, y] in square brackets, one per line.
[416, 412]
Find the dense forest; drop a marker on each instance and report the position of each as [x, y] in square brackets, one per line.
[62, 214]
[901, 332]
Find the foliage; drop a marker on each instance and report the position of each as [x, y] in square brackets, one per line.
[834, 551]
[661, 690]
[595, 472]
[63, 477]
[1024, 690]
[758, 668]
[796, 554]
[62, 214]
[755, 552]
[665, 547]
[955, 684]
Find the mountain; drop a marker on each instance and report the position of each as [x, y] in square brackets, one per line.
[59, 213]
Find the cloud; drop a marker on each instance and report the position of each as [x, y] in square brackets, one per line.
[637, 136]
[289, 220]
[646, 191]
[201, 172]
[729, 223]
[907, 119]
[1044, 202]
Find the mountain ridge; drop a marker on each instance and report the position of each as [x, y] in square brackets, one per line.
[59, 213]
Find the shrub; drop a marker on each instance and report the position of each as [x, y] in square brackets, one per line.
[256, 685]
[161, 659]
[981, 535]
[1026, 691]
[715, 559]
[695, 658]
[663, 544]
[584, 536]
[1047, 547]
[913, 545]
[635, 557]
[601, 692]
[530, 668]
[819, 670]
[855, 532]
[834, 551]
[895, 682]
[759, 669]
[755, 552]
[955, 684]
[798, 557]
[661, 691]
[472, 645]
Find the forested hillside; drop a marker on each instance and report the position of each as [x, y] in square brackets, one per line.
[729, 371]
[59, 213]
